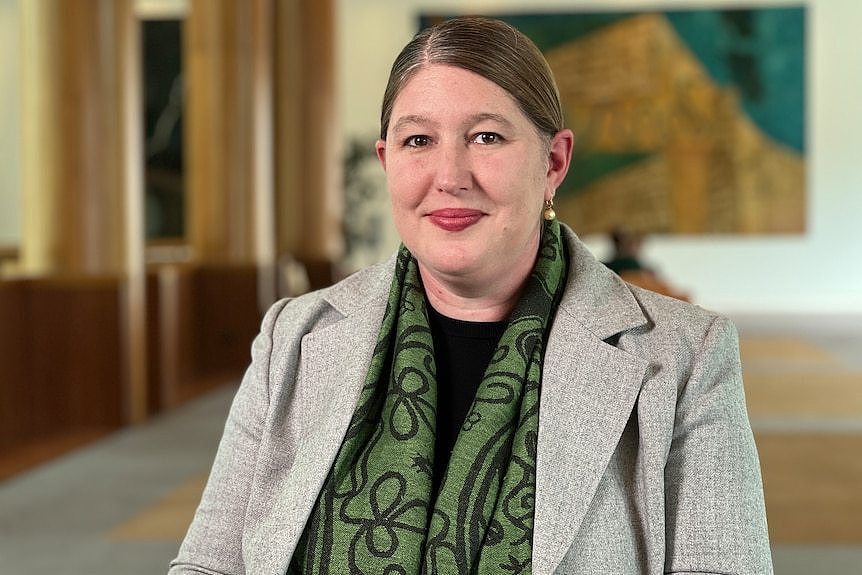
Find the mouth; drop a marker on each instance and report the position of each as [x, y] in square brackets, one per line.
[455, 219]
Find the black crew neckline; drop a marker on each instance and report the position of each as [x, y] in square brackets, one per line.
[465, 328]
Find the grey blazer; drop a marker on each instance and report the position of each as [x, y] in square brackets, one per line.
[646, 462]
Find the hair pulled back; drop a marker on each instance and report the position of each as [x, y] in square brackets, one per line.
[488, 47]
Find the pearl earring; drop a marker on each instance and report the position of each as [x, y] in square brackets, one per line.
[548, 213]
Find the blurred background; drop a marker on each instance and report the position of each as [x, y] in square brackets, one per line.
[169, 168]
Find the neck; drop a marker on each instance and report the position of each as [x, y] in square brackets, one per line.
[466, 307]
[477, 299]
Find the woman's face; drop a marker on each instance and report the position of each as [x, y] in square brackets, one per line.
[468, 174]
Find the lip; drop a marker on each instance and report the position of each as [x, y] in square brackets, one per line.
[455, 219]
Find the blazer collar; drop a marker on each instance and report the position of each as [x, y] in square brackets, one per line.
[596, 297]
[364, 291]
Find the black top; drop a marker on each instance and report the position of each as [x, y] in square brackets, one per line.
[462, 352]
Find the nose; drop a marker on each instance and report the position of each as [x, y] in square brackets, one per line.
[452, 169]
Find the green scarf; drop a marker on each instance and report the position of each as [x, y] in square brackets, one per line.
[376, 513]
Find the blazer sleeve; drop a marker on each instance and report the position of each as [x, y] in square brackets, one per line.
[715, 512]
[213, 543]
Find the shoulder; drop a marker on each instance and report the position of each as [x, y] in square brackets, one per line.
[674, 314]
[320, 308]
[353, 308]
[679, 334]
[645, 323]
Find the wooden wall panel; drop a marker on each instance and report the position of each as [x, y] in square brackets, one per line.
[14, 399]
[82, 157]
[227, 318]
[202, 321]
[60, 360]
[76, 350]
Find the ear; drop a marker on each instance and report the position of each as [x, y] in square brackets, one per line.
[559, 158]
[380, 148]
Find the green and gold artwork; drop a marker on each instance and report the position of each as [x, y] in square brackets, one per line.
[686, 122]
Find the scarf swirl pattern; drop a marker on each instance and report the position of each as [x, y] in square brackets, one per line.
[376, 513]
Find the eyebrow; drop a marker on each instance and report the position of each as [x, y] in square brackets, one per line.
[411, 119]
[476, 118]
[419, 119]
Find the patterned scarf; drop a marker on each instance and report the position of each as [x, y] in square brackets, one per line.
[376, 513]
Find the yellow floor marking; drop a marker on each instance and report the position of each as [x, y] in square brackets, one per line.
[813, 487]
[785, 349]
[168, 518]
[804, 395]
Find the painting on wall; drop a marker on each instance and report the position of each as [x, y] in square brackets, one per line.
[686, 122]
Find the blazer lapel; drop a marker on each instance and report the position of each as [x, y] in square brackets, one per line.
[336, 358]
[588, 392]
[589, 388]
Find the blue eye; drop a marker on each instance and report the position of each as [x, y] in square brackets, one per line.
[416, 141]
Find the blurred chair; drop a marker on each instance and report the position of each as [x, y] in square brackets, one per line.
[627, 264]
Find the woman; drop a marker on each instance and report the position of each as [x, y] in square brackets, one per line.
[492, 399]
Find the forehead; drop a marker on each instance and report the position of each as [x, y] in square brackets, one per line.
[439, 90]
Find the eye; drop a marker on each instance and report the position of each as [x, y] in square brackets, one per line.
[487, 138]
[416, 141]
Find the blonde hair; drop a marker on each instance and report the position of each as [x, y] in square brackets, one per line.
[494, 50]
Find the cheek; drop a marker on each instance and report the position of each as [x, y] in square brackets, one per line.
[404, 181]
[400, 197]
[519, 182]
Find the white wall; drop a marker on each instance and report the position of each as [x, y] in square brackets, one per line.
[10, 131]
[818, 272]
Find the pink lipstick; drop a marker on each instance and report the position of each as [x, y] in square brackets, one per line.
[455, 219]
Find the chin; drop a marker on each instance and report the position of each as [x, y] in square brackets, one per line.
[451, 265]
